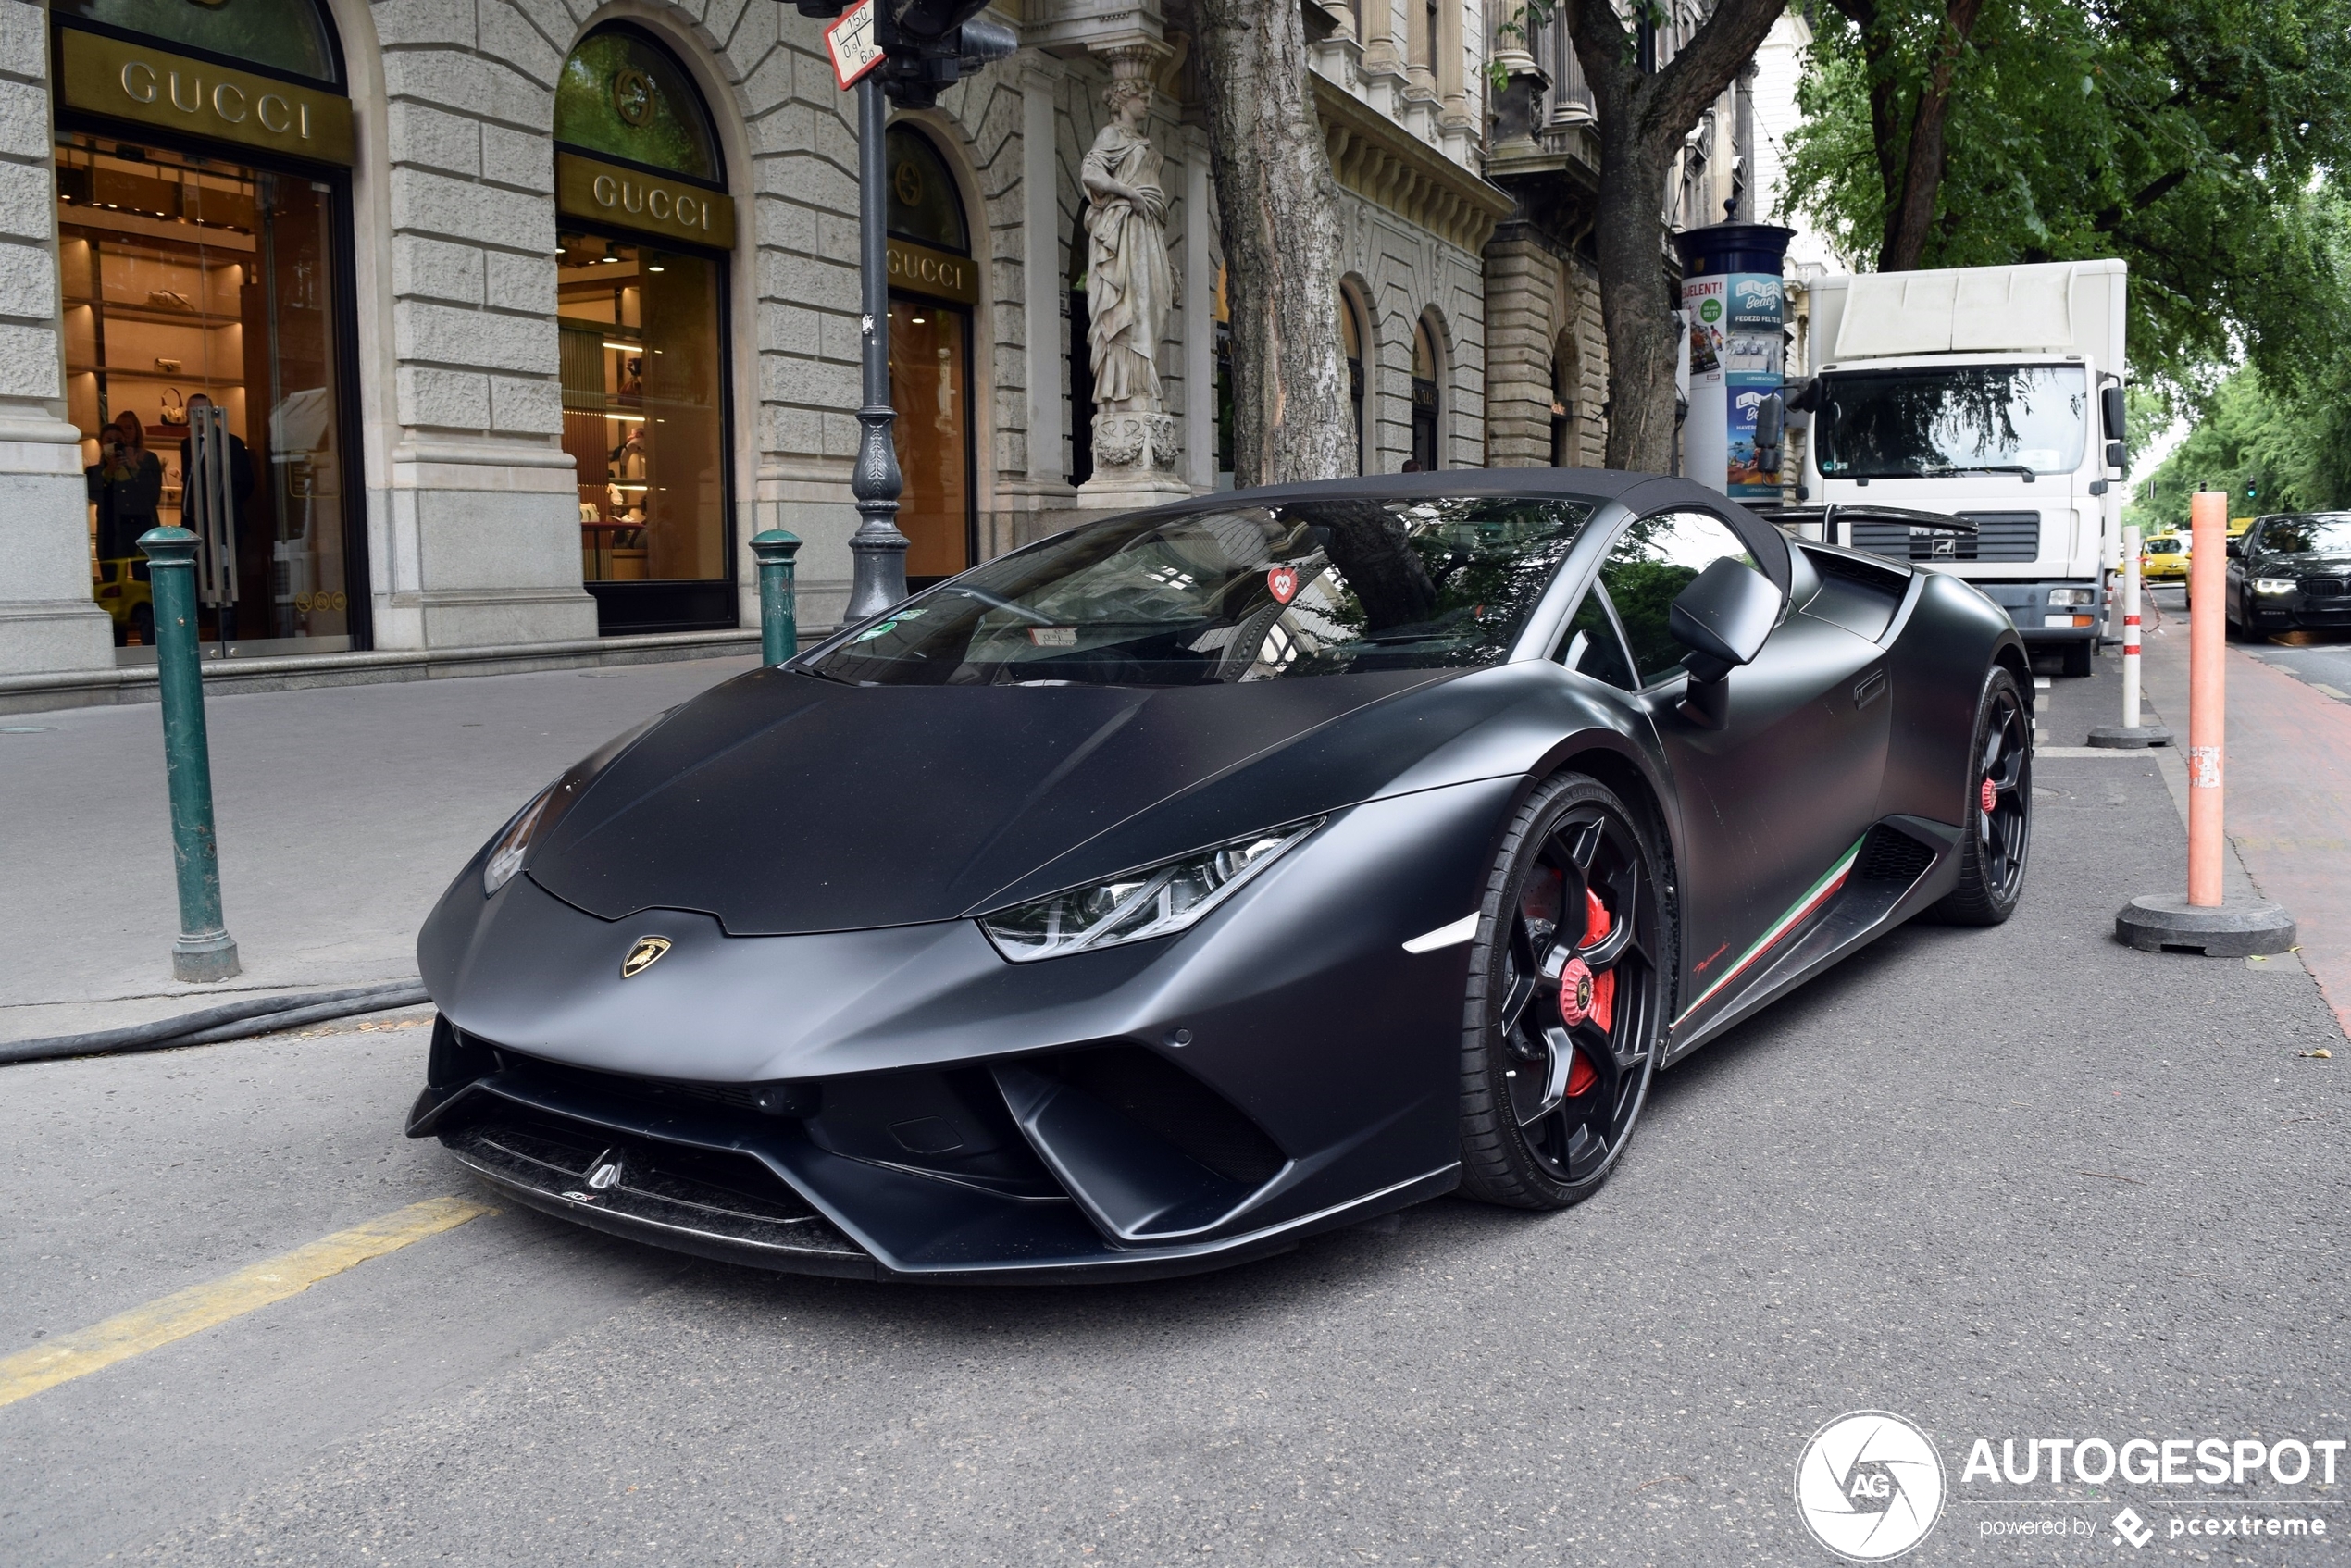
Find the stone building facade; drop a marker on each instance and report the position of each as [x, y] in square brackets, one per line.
[545, 307]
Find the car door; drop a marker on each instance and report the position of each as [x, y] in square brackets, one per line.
[1775, 801]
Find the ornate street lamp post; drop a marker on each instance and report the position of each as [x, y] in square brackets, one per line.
[928, 44]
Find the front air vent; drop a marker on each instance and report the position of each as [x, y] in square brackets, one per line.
[2322, 588]
[1162, 1097]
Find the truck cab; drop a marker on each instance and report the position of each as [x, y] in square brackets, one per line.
[1993, 395]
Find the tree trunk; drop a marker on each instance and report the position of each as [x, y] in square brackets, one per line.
[1636, 305]
[1643, 118]
[1909, 217]
[1280, 233]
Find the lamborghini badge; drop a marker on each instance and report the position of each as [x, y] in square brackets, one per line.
[642, 955]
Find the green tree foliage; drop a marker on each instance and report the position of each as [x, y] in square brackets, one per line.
[2194, 139]
[2271, 449]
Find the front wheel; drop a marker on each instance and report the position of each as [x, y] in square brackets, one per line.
[1998, 812]
[1570, 985]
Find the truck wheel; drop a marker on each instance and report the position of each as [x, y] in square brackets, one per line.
[2077, 659]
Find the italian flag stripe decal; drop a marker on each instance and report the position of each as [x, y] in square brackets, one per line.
[1817, 895]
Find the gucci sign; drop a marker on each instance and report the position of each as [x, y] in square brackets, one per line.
[606, 193]
[154, 87]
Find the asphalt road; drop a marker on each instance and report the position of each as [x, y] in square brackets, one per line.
[2004, 1183]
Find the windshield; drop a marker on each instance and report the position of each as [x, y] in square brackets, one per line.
[2307, 536]
[2163, 547]
[1233, 593]
[1911, 424]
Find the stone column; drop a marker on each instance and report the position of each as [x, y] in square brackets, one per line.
[1522, 302]
[48, 619]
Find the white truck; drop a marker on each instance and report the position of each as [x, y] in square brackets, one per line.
[1989, 394]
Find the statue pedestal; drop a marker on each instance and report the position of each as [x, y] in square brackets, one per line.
[1134, 463]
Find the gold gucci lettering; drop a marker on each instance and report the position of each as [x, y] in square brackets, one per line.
[155, 87]
[139, 81]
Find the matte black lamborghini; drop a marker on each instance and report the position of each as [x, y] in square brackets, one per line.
[1191, 882]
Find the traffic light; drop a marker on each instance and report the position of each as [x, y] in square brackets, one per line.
[931, 44]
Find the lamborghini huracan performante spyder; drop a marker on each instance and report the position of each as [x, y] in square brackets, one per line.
[1193, 881]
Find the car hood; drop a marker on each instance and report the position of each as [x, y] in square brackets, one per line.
[2296, 564]
[784, 803]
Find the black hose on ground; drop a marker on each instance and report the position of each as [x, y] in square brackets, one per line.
[237, 1020]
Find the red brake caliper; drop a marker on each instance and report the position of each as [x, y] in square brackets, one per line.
[1586, 995]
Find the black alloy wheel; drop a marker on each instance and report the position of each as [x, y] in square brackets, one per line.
[1998, 812]
[1569, 987]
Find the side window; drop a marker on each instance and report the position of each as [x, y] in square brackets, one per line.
[1654, 561]
[1593, 648]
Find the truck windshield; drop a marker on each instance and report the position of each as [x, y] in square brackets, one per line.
[1921, 423]
[1232, 593]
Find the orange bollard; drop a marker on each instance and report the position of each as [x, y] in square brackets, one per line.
[2205, 921]
[2207, 692]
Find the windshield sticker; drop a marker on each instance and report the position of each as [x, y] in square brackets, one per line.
[1053, 636]
[869, 636]
[1282, 582]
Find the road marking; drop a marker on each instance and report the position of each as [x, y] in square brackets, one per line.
[200, 1307]
[2338, 696]
[2142, 752]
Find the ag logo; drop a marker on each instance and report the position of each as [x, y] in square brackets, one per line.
[1868, 1486]
[643, 953]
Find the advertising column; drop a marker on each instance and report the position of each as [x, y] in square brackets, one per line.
[1731, 295]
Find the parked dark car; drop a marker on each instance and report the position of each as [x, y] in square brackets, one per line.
[1193, 881]
[2291, 569]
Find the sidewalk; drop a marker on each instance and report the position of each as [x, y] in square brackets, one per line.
[2287, 773]
[343, 813]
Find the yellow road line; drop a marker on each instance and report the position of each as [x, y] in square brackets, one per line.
[200, 1307]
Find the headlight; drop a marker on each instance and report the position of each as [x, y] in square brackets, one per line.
[2273, 585]
[2074, 595]
[507, 850]
[1157, 900]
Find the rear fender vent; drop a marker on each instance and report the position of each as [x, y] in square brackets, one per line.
[1892, 856]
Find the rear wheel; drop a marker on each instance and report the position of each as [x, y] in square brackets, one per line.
[1567, 1008]
[1998, 815]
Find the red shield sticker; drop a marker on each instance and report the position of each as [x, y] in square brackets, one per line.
[1282, 582]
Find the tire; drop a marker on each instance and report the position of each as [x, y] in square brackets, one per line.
[2077, 660]
[1996, 843]
[1542, 1016]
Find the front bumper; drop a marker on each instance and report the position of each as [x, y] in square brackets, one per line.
[903, 1104]
[2288, 612]
[2029, 610]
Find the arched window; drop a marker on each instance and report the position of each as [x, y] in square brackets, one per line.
[1427, 452]
[1351, 338]
[622, 95]
[641, 293]
[1567, 375]
[281, 36]
[933, 286]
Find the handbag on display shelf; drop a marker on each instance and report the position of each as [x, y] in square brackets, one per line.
[175, 411]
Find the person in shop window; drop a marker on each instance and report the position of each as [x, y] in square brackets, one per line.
[240, 492]
[127, 484]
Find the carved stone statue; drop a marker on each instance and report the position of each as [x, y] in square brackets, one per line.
[1130, 287]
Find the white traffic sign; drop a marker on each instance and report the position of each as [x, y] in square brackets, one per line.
[853, 43]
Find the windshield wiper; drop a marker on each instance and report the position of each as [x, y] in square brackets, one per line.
[1023, 611]
[2030, 474]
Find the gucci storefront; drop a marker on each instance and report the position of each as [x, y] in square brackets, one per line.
[645, 228]
[934, 283]
[203, 246]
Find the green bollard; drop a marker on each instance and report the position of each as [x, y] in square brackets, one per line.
[205, 952]
[779, 633]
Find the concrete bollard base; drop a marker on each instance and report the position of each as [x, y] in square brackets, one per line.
[2123, 736]
[2247, 928]
[202, 959]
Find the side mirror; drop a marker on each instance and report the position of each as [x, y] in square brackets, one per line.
[1721, 618]
[2111, 407]
[2237, 550]
[1771, 428]
[2115, 454]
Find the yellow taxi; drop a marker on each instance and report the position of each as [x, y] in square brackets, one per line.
[2164, 558]
[123, 591]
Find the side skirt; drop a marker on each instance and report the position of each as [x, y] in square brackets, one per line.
[1896, 870]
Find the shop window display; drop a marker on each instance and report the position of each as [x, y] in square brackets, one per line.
[643, 409]
[189, 281]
